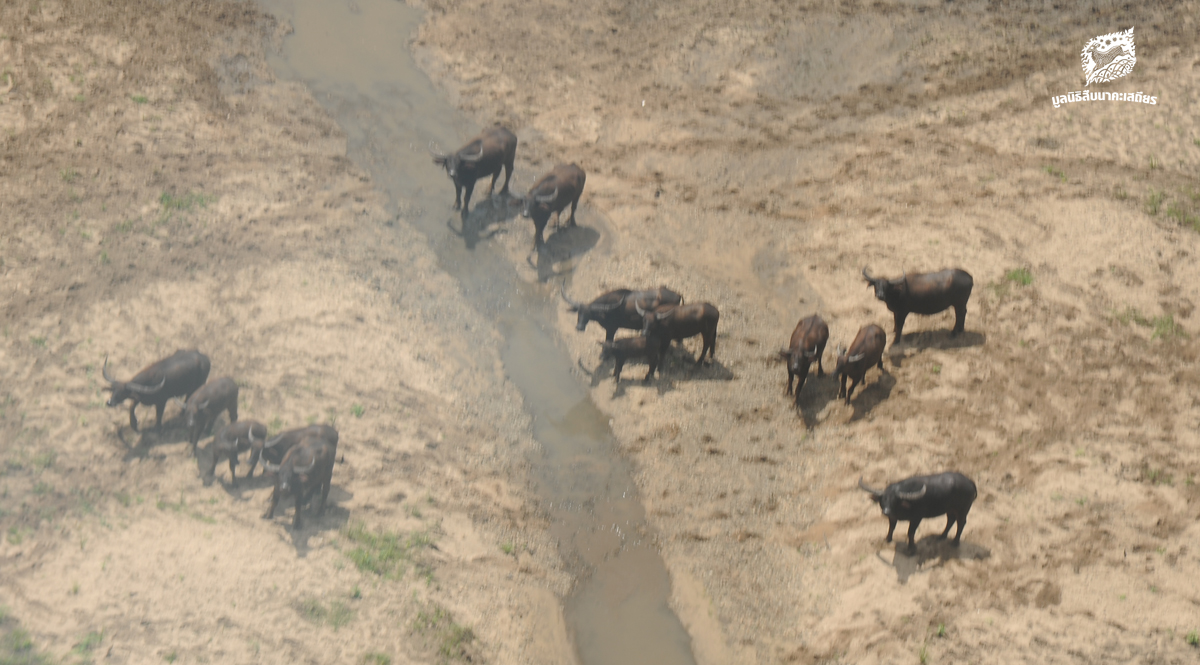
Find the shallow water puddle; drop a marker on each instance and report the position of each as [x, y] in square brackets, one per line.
[354, 56]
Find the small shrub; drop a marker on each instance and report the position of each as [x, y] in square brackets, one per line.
[358, 410]
[1193, 638]
[38, 341]
[507, 548]
[1155, 163]
[68, 175]
[338, 614]
[139, 99]
[356, 593]
[1057, 173]
[1165, 327]
[171, 657]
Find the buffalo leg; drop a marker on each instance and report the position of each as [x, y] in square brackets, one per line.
[609, 334]
[233, 413]
[232, 468]
[274, 502]
[468, 188]
[850, 393]
[325, 483]
[538, 240]
[458, 196]
[653, 366]
[949, 523]
[899, 318]
[297, 520]
[492, 186]
[508, 169]
[880, 364]
[790, 377]
[158, 411]
[912, 534]
[620, 362]
[962, 521]
[960, 319]
[842, 385]
[574, 203]
[820, 367]
[891, 528]
[132, 416]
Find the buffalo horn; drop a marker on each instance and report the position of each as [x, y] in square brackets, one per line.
[856, 357]
[273, 468]
[436, 153]
[139, 388]
[873, 492]
[270, 443]
[611, 307]
[912, 496]
[250, 434]
[476, 158]
[869, 278]
[546, 199]
[104, 371]
[810, 354]
[306, 469]
[562, 291]
[640, 311]
[662, 315]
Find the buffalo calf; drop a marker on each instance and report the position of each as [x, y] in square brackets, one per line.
[807, 344]
[866, 350]
[914, 499]
[234, 438]
[178, 375]
[927, 293]
[207, 403]
[628, 348]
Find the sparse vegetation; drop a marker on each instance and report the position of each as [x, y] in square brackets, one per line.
[357, 410]
[376, 658]
[941, 631]
[356, 593]
[1057, 173]
[923, 654]
[449, 637]
[38, 341]
[1158, 477]
[1193, 638]
[16, 646]
[384, 553]
[936, 369]
[139, 99]
[1154, 202]
[1164, 326]
[338, 614]
[89, 642]
[68, 175]
[1021, 276]
[171, 657]
[275, 426]
[507, 548]
[1155, 163]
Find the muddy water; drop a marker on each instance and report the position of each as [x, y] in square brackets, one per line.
[353, 54]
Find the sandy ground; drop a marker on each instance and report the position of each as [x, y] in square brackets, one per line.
[160, 190]
[758, 155]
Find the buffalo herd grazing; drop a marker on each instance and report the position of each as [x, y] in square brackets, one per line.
[301, 459]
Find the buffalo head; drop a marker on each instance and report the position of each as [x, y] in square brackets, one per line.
[453, 163]
[887, 289]
[123, 390]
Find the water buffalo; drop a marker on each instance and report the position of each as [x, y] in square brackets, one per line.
[306, 468]
[494, 149]
[670, 322]
[234, 438]
[207, 403]
[628, 348]
[866, 350]
[927, 293]
[618, 309]
[175, 376]
[561, 187]
[807, 344]
[913, 499]
[273, 450]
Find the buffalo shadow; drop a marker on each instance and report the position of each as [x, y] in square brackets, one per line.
[486, 219]
[818, 392]
[929, 548]
[932, 339]
[564, 244]
[173, 430]
[335, 518]
[870, 393]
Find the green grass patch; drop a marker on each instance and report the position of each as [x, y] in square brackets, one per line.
[336, 615]
[139, 99]
[376, 658]
[39, 342]
[1154, 202]
[1158, 477]
[16, 646]
[88, 643]
[451, 639]
[1021, 276]
[184, 202]
[1193, 637]
[68, 175]
[1056, 172]
[358, 410]
[384, 553]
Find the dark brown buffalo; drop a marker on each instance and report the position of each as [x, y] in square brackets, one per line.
[561, 187]
[865, 351]
[678, 322]
[307, 468]
[207, 403]
[914, 499]
[233, 439]
[619, 309]
[628, 348]
[807, 344]
[273, 450]
[487, 154]
[175, 376]
[927, 293]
